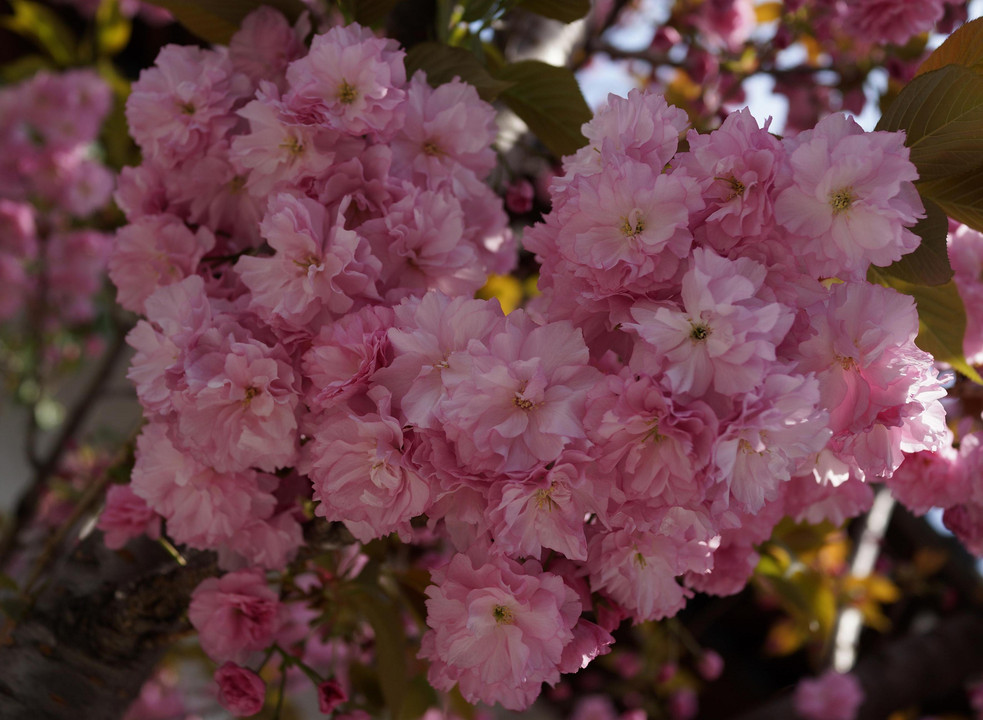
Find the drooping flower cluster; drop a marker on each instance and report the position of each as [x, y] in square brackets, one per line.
[305, 238]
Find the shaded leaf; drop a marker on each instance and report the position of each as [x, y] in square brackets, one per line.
[479, 10]
[562, 10]
[941, 320]
[24, 67]
[443, 63]
[390, 644]
[964, 47]
[43, 26]
[217, 20]
[369, 12]
[959, 196]
[929, 264]
[548, 99]
[942, 113]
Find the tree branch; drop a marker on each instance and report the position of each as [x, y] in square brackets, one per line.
[96, 631]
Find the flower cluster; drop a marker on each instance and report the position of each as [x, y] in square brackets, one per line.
[50, 177]
[305, 237]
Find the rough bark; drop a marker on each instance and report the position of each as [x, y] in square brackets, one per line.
[96, 631]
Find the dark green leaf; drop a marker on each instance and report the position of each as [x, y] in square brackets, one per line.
[443, 63]
[562, 10]
[941, 320]
[964, 47]
[942, 114]
[217, 20]
[959, 196]
[549, 101]
[929, 264]
[479, 10]
[369, 12]
[24, 67]
[390, 645]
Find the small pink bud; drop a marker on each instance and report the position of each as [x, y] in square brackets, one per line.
[330, 694]
[710, 665]
[241, 691]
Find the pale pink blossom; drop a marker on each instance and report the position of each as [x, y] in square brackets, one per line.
[346, 354]
[641, 126]
[318, 265]
[266, 44]
[736, 166]
[279, 153]
[235, 615]
[240, 691]
[832, 696]
[725, 334]
[153, 251]
[361, 472]
[125, 517]
[445, 129]
[420, 241]
[183, 104]
[497, 629]
[350, 81]
[892, 21]
[851, 194]
[518, 401]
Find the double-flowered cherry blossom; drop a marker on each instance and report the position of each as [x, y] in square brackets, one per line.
[683, 381]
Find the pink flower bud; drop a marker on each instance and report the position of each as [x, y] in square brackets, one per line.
[710, 665]
[519, 196]
[241, 691]
[329, 696]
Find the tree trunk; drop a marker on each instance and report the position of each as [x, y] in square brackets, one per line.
[96, 631]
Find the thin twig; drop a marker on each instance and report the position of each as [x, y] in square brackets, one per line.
[29, 500]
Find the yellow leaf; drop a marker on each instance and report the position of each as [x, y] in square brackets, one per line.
[813, 48]
[768, 12]
[784, 638]
[506, 288]
[928, 561]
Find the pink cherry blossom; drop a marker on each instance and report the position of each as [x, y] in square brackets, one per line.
[832, 696]
[497, 629]
[350, 81]
[125, 517]
[240, 691]
[851, 193]
[235, 614]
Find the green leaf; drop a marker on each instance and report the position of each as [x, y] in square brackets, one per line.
[390, 644]
[217, 20]
[479, 10]
[43, 26]
[959, 196]
[562, 10]
[24, 67]
[112, 28]
[964, 47]
[369, 12]
[548, 99]
[941, 320]
[929, 264]
[443, 63]
[942, 114]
